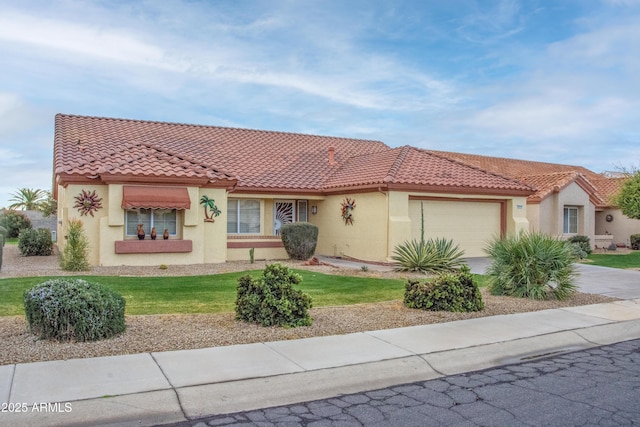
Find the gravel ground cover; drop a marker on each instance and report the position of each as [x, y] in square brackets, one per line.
[179, 332]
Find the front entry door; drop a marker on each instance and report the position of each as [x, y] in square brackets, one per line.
[285, 213]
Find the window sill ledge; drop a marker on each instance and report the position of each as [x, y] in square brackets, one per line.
[152, 246]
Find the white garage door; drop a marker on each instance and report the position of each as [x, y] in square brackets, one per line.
[470, 224]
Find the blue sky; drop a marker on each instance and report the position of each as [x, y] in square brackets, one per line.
[555, 81]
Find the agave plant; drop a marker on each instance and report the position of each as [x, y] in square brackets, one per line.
[428, 256]
[531, 265]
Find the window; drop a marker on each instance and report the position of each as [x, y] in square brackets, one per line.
[302, 211]
[161, 219]
[243, 216]
[570, 220]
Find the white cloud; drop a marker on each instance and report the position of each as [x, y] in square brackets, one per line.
[96, 42]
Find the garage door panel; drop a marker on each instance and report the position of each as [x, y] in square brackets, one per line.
[470, 224]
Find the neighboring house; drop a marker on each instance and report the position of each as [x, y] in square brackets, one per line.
[569, 199]
[116, 174]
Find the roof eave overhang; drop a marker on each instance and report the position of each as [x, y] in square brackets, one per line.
[65, 179]
[276, 190]
[509, 192]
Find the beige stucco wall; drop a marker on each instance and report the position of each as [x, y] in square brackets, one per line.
[385, 220]
[620, 228]
[548, 215]
[365, 239]
[108, 226]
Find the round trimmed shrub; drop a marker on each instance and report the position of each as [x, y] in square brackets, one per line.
[74, 310]
[299, 239]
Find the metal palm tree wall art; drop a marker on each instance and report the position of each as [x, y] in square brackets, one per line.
[209, 204]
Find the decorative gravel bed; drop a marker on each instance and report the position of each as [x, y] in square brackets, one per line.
[180, 332]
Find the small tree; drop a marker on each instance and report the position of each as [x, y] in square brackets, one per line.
[628, 198]
[14, 222]
[76, 251]
[48, 206]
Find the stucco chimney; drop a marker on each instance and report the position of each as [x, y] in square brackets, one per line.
[332, 152]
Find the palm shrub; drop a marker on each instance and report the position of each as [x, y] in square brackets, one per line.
[271, 300]
[531, 265]
[74, 309]
[75, 255]
[35, 242]
[446, 292]
[430, 256]
[635, 241]
[299, 239]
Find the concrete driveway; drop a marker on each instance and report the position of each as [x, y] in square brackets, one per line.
[592, 279]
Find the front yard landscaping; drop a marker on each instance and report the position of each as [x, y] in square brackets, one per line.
[212, 293]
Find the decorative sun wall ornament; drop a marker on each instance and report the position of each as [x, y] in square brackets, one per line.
[87, 202]
[209, 204]
[348, 205]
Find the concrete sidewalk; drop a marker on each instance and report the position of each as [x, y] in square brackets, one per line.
[168, 387]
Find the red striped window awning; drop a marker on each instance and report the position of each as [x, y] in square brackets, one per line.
[134, 196]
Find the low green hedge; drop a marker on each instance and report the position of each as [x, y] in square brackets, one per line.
[35, 242]
[271, 300]
[74, 309]
[447, 292]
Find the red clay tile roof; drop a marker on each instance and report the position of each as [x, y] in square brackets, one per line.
[607, 188]
[410, 167]
[258, 160]
[545, 177]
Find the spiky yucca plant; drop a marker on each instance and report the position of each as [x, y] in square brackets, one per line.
[531, 265]
[428, 256]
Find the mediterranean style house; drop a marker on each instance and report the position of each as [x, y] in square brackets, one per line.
[209, 194]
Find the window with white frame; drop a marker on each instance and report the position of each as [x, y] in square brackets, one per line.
[160, 219]
[570, 220]
[243, 216]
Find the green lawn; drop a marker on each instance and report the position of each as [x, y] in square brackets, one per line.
[631, 260]
[211, 294]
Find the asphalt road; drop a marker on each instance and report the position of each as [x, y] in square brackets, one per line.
[596, 387]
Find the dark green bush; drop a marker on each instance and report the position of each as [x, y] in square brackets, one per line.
[271, 300]
[74, 256]
[1, 249]
[447, 292]
[73, 309]
[583, 241]
[35, 242]
[531, 265]
[14, 222]
[299, 239]
[3, 232]
[635, 241]
[428, 256]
